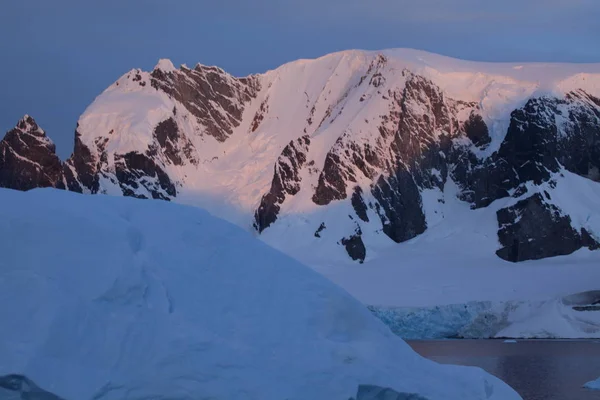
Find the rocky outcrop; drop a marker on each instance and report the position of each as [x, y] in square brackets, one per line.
[477, 131]
[547, 134]
[358, 203]
[411, 153]
[320, 229]
[172, 143]
[286, 181]
[355, 247]
[81, 169]
[28, 158]
[214, 97]
[399, 206]
[534, 228]
[140, 176]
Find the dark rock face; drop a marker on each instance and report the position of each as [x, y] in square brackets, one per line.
[355, 247]
[332, 181]
[477, 130]
[135, 170]
[359, 204]
[81, 169]
[28, 158]
[200, 88]
[409, 155]
[286, 181]
[172, 143]
[533, 229]
[321, 228]
[543, 136]
[588, 241]
[260, 115]
[401, 210]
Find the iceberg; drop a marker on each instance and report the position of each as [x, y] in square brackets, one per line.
[110, 298]
[593, 385]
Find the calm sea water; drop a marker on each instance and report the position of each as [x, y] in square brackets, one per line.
[536, 369]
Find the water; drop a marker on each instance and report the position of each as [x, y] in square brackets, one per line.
[536, 369]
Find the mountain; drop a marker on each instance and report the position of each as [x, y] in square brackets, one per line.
[346, 155]
[146, 300]
[28, 158]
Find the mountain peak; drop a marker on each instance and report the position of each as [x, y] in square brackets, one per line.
[28, 158]
[165, 65]
[347, 148]
[27, 124]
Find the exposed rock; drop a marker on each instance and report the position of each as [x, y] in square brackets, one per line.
[321, 228]
[586, 308]
[546, 134]
[332, 181]
[172, 143]
[139, 176]
[260, 115]
[286, 181]
[28, 158]
[81, 169]
[214, 97]
[587, 240]
[167, 133]
[355, 247]
[359, 204]
[401, 209]
[533, 229]
[477, 130]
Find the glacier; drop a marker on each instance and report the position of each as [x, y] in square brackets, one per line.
[575, 316]
[111, 298]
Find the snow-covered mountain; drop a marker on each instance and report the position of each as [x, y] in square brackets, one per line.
[109, 298]
[346, 155]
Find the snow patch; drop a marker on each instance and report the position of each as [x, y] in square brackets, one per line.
[165, 65]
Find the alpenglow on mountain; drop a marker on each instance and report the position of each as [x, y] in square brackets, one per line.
[348, 154]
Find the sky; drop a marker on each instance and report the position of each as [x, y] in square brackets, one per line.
[57, 56]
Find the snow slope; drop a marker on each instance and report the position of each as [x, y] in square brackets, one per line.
[322, 98]
[112, 298]
[444, 283]
[453, 261]
[342, 99]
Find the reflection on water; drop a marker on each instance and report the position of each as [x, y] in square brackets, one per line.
[537, 369]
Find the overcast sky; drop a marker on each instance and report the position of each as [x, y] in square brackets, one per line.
[58, 55]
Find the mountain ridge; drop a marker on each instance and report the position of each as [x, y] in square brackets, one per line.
[355, 149]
